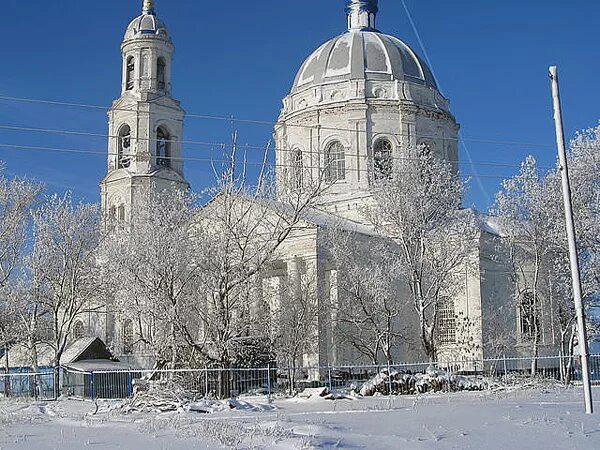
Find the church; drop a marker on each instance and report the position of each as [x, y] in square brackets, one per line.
[355, 102]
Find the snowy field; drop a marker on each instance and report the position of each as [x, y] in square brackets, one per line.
[523, 419]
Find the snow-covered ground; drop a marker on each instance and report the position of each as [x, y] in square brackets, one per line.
[520, 419]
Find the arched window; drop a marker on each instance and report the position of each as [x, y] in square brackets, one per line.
[129, 73]
[383, 164]
[161, 67]
[124, 147]
[163, 148]
[446, 322]
[297, 169]
[121, 211]
[335, 162]
[127, 336]
[78, 330]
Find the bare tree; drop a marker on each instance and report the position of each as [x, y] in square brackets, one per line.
[420, 209]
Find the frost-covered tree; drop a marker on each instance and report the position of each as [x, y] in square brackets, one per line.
[420, 209]
[372, 315]
[61, 269]
[150, 267]
[17, 197]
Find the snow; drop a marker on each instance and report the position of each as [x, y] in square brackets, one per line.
[548, 418]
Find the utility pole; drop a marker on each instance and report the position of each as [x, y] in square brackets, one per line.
[566, 190]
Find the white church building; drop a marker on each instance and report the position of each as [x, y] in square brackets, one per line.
[355, 102]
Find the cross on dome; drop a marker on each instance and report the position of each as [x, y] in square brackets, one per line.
[148, 7]
[362, 14]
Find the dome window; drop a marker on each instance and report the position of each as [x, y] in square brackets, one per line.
[161, 69]
[129, 73]
[383, 163]
[335, 162]
[163, 148]
[124, 147]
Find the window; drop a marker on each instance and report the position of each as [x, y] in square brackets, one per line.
[129, 73]
[297, 169]
[124, 147]
[121, 210]
[528, 315]
[127, 336]
[335, 162]
[163, 148]
[446, 322]
[78, 330]
[112, 213]
[383, 164]
[161, 67]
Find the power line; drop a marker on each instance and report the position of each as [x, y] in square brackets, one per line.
[272, 124]
[212, 160]
[223, 145]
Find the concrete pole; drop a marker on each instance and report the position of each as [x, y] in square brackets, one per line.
[566, 189]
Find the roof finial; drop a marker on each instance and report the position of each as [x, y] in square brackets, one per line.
[148, 7]
[361, 14]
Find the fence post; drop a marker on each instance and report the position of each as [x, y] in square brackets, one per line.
[505, 370]
[93, 385]
[269, 382]
[205, 381]
[389, 379]
[329, 377]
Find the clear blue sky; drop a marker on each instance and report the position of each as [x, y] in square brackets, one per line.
[240, 57]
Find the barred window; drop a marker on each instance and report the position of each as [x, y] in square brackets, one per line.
[529, 320]
[78, 330]
[382, 160]
[335, 162]
[446, 322]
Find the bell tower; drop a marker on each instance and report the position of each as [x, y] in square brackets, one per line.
[145, 123]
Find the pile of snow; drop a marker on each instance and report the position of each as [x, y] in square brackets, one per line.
[433, 380]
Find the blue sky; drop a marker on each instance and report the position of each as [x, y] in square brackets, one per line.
[239, 58]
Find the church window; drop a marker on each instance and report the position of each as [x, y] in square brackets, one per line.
[383, 163]
[163, 148]
[161, 68]
[335, 162]
[78, 330]
[124, 147]
[446, 322]
[297, 169]
[112, 213]
[127, 336]
[528, 315]
[121, 211]
[130, 70]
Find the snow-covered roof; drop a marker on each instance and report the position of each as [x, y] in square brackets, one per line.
[20, 354]
[98, 364]
[366, 55]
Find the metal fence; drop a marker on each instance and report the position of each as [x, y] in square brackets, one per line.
[273, 380]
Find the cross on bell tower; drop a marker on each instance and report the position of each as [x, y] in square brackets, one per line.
[145, 122]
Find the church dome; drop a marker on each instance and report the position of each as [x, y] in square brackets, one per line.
[147, 24]
[363, 53]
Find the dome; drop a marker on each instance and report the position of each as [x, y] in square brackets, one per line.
[147, 24]
[363, 54]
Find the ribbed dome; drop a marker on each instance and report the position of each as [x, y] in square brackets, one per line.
[363, 55]
[146, 25]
